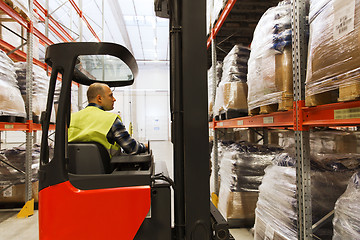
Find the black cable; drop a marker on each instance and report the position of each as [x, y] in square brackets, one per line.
[161, 176]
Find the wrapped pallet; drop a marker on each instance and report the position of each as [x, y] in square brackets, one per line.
[40, 87]
[241, 172]
[211, 84]
[347, 212]
[276, 214]
[11, 102]
[231, 93]
[333, 67]
[270, 63]
[14, 180]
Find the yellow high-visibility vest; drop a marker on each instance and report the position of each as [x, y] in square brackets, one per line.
[92, 125]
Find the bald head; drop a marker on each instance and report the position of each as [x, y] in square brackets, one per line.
[94, 90]
[102, 95]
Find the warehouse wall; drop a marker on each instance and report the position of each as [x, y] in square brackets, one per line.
[146, 103]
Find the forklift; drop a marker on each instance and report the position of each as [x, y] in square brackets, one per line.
[82, 195]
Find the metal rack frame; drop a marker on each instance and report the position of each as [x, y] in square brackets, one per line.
[15, 53]
[300, 119]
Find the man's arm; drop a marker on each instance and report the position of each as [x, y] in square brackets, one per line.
[118, 134]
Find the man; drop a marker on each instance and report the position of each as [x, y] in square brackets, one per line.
[95, 124]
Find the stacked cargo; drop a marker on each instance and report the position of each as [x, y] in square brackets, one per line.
[11, 102]
[231, 94]
[40, 87]
[211, 85]
[347, 212]
[74, 107]
[241, 171]
[333, 67]
[332, 164]
[13, 178]
[270, 63]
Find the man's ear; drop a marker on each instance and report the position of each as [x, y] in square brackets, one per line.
[99, 98]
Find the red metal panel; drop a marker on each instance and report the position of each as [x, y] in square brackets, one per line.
[113, 213]
[277, 119]
[324, 115]
[229, 5]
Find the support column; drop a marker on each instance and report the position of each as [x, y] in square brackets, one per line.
[302, 145]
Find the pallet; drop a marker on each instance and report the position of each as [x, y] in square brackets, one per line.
[17, 9]
[285, 104]
[12, 119]
[232, 113]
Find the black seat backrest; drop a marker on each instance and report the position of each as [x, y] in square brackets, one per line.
[88, 158]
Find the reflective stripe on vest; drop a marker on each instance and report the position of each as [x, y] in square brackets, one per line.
[92, 125]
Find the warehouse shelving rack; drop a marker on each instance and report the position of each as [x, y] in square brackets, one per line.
[300, 119]
[17, 55]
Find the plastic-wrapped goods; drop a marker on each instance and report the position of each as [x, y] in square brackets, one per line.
[231, 95]
[211, 84]
[334, 51]
[235, 64]
[276, 215]
[335, 150]
[241, 172]
[40, 86]
[346, 220]
[10, 176]
[74, 107]
[270, 63]
[213, 9]
[11, 102]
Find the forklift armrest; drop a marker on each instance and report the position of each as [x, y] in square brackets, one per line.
[115, 180]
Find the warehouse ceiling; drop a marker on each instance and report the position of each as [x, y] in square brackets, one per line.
[131, 23]
[239, 26]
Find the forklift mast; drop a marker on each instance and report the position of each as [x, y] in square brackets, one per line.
[189, 115]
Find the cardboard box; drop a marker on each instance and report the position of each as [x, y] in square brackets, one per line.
[16, 193]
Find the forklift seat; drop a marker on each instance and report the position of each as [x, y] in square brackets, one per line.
[88, 158]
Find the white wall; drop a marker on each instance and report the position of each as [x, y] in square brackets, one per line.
[147, 103]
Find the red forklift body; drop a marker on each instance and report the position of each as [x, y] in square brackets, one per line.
[66, 212]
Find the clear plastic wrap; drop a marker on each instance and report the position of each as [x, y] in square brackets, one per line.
[346, 220]
[211, 84]
[11, 102]
[241, 171]
[334, 50]
[276, 215]
[270, 63]
[235, 64]
[40, 87]
[231, 95]
[16, 157]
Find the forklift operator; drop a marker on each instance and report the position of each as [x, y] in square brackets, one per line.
[95, 124]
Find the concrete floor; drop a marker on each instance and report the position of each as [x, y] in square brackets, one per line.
[12, 228]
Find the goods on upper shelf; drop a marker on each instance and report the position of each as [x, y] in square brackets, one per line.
[20, 6]
[347, 212]
[40, 87]
[242, 167]
[276, 214]
[10, 176]
[211, 84]
[11, 102]
[270, 63]
[231, 94]
[213, 9]
[333, 67]
[74, 97]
